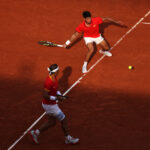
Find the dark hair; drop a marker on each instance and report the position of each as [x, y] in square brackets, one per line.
[53, 66]
[86, 14]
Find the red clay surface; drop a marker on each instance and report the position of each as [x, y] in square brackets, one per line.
[109, 109]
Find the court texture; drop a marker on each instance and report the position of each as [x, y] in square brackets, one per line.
[109, 107]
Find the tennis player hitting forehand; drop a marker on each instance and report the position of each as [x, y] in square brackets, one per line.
[90, 30]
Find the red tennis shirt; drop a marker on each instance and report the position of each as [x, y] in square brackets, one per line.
[93, 30]
[51, 86]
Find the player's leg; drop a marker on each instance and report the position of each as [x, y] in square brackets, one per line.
[105, 48]
[50, 123]
[90, 47]
[64, 125]
[68, 138]
[49, 109]
[57, 113]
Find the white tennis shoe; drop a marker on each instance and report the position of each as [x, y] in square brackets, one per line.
[107, 53]
[34, 136]
[84, 69]
[71, 140]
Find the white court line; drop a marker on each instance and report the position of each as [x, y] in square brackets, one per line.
[78, 81]
[145, 22]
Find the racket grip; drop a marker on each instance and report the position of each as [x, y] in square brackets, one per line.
[58, 45]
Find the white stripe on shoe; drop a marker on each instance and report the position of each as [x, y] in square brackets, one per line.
[34, 137]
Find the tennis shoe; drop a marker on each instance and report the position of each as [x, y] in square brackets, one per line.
[107, 53]
[34, 136]
[84, 70]
[71, 140]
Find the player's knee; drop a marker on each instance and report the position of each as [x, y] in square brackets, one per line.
[61, 116]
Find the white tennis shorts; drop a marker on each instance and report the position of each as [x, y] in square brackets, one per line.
[54, 110]
[97, 40]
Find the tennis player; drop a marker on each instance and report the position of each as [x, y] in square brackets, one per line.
[90, 30]
[51, 96]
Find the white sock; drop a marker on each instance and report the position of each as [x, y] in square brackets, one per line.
[85, 63]
[68, 136]
[37, 131]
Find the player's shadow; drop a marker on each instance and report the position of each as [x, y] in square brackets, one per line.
[102, 28]
[64, 80]
[105, 25]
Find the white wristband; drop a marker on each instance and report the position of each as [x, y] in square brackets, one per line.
[52, 98]
[67, 42]
[58, 93]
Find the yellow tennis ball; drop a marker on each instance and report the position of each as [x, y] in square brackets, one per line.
[130, 67]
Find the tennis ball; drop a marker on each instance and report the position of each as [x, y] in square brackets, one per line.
[130, 67]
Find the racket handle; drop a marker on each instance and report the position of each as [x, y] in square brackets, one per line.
[58, 45]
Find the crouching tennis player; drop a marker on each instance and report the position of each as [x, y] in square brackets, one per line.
[51, 96]
[90, 30]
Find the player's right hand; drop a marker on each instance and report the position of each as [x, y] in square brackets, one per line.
[65, 46]
[61, 98]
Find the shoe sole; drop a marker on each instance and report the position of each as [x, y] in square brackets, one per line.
[108, 55]
[84, 72]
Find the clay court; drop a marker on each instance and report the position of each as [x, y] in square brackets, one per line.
[109, 109]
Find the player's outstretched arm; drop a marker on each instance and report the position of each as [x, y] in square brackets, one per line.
[74, 37]
[106, 19]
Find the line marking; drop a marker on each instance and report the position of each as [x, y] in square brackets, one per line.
[78, 81]
[145, 22]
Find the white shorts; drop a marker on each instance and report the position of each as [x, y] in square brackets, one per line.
[54, 110]
[97, 40]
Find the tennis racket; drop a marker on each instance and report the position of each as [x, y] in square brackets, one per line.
[62, 98]
[49, 44]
